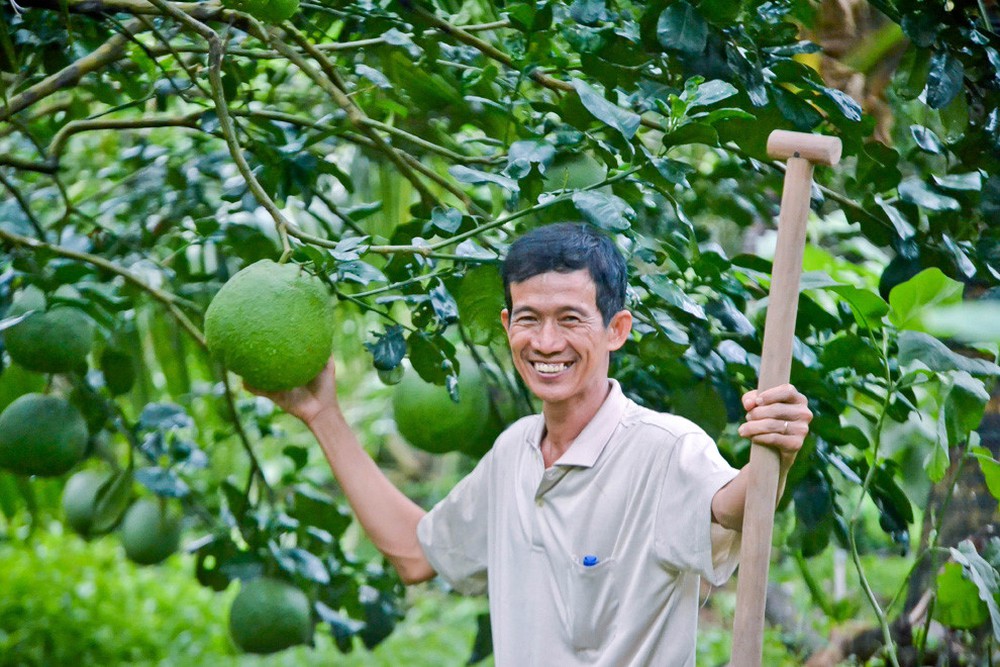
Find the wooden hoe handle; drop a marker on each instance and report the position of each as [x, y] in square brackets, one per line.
[802, 151]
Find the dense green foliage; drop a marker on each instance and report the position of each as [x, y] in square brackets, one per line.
[152, 149]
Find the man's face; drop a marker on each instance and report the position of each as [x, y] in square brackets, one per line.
[558, 339]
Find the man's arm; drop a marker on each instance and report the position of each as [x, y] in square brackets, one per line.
[389, 518]
[777, 418]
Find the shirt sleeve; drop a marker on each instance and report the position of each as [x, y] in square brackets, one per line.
[454, 533]
[685, 537]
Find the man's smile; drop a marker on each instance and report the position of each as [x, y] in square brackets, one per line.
[551, 367]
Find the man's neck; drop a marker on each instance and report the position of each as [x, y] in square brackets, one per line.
[565, 421]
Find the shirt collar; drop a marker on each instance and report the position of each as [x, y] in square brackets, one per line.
[588, 446]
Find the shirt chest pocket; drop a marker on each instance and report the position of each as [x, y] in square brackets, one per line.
[591, 596]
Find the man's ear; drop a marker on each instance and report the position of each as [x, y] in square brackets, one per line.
[620, 327]
[505, 318]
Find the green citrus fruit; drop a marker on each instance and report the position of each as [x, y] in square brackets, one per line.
[41, 435]
[269, 615]
[50, 341]
[271, 324]
[150, 533]
[79, 500]
[391, 376]
[429, 420]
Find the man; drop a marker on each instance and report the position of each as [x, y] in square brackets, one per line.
[590, 525]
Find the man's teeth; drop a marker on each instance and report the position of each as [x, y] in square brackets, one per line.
[550, 368]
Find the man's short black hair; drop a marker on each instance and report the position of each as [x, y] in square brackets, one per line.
[564, 248]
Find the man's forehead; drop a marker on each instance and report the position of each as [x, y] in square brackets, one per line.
[555, 289]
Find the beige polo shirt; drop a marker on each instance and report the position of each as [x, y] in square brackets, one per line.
[597, 560]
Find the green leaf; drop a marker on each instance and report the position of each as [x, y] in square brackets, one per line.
[867, 306]
[929, 288]
[625, 121]
[927, 140]
[903, 228]
[915, 346]
[665, 288]
[162, 482]
[373, 75]
[711, 92]
[984, 576]
[955, 119]
[971, 181]
[313, 507]
[964, 406]
[945, 79]
[522, 154]
[916, 191]
[111, 501]
[702, 402]
[465, 174]
[432, 356]
[388, 349]
[799, 112]
[969, 321]
[480, 299]
[911, 77]
[958, 605]
[674, 171]
[990, 467]
[588, 12]
[448, 220]
[608, 212]
[682, 28]
[299, 562]
[845, 103]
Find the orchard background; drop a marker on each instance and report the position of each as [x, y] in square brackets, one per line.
[149, 149]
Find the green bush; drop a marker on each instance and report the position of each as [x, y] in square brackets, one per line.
[66, 601]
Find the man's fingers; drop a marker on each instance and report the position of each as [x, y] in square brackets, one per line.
[784, 393]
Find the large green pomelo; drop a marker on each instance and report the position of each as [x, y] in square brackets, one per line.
[50, 341]
[271, 324]
[269, 615]
[429, 420]
[41, 435]
[79, 500]
[150, 533]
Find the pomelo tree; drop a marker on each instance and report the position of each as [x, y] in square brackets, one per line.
[150, 150]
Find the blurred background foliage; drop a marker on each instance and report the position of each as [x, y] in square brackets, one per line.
[150, 149]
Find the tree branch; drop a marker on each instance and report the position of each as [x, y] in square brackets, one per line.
[169, 300]
[70, 75]
[334, 87]
[226, 121]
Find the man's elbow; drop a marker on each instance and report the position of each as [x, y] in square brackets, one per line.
[414, 570]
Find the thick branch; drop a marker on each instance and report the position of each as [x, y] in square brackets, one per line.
[77, 126]
[167, 299]
[70, 75]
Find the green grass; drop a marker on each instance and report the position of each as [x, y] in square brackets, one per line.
[66, 601]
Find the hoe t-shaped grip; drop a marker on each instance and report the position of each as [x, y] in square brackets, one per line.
[816, 148]
[801, 151]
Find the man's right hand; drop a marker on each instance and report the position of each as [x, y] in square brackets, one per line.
[308, 401]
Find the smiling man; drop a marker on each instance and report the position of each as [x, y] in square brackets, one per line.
[590, 525]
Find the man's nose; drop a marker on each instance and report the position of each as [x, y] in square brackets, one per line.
[549, 338]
